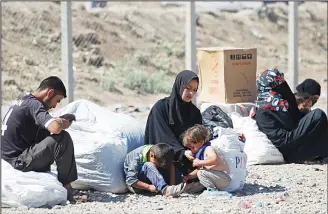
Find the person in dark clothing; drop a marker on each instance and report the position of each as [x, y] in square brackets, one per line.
[311, 87]
[173, 115]
[32, 140]
[298, 138]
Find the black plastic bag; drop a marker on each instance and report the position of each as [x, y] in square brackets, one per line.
[213, 117]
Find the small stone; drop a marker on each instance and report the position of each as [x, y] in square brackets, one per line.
[29, 62]
[159, 208]
[34, 42]
[286, 194]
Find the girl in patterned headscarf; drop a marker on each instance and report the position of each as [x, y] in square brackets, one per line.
[267, 98]
[277, 115]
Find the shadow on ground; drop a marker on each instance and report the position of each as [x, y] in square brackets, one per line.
[252, 189]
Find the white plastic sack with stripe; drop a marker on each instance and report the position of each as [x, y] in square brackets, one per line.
[102, 139]
[258, 147]
[233, 151]
[30, 189]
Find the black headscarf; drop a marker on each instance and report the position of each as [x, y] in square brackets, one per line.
[309, 86]
[177, 107]
[170, 117]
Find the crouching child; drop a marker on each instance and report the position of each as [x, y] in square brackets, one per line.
[212, 169]
[141, 170]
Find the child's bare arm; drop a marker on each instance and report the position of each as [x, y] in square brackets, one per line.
[193, 174]
[210, 158]
[172, 175]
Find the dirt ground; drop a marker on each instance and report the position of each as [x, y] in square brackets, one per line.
[280, 189]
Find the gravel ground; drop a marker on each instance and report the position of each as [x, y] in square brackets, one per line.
[291, 188]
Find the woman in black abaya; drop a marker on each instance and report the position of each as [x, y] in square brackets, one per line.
[173, 115]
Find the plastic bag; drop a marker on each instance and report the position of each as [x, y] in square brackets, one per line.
[102, 139]
[30, 189]
[232, 149]
[241, 108]
[258, 147]
[213, 117]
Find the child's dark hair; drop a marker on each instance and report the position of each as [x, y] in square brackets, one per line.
[163, 153]
[55, 83]
[302, 96]
[195, 135]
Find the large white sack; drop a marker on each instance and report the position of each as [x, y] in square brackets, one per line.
[258, 147]
[102, 139]
[233, 151]
[30, 189]
[241, 108]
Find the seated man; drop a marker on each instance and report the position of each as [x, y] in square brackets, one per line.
[27, 143]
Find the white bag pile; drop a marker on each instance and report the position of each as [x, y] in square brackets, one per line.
[258, 147]
[102, 139]
[30, 189]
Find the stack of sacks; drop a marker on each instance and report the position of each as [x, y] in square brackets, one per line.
[258, 147]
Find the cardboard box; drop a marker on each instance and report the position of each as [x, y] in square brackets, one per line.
[227, 75]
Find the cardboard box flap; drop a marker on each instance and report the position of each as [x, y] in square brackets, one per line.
[223, 49]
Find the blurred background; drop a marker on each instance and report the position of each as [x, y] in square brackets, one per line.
[128, 53]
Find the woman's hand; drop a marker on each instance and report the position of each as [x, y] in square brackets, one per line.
[189, 155]
[282, 79]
